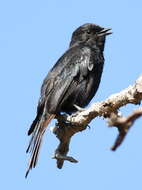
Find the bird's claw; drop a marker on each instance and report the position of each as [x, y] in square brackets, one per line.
[80, 109]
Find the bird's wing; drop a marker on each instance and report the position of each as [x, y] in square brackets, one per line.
[75, 63]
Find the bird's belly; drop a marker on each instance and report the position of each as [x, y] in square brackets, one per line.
[82, 94]
[87, 92]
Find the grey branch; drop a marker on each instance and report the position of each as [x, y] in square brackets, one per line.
[123, 125]
[67, 125]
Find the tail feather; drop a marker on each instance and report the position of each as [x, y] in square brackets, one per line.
[36, 139]
[33, 138]
[40, 110]
[34, 124]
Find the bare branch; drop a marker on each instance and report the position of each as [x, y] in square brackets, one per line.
[130, 95]
[67, 126]
[123, 125]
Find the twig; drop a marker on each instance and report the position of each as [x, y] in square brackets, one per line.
[123, 125]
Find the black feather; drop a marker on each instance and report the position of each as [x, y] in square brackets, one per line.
[73, 80]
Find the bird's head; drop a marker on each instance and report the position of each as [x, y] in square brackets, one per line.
[90, 34]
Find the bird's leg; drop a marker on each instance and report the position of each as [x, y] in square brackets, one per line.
[79, 109]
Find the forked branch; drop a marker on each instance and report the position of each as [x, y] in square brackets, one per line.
[67, 126]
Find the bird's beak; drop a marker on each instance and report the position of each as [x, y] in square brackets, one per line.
[104, 32]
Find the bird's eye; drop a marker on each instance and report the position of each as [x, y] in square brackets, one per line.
[88, 32]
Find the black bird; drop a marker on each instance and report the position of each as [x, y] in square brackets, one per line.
[71, 83]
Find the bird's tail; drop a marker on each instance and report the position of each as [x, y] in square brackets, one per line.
[37, 130]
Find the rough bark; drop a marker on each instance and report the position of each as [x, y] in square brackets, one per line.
[67, 126]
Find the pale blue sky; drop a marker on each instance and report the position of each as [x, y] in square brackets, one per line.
[33, 35]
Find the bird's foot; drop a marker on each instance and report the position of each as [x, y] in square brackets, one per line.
[80, 109]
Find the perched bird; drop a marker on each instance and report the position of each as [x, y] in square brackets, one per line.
[71, 83]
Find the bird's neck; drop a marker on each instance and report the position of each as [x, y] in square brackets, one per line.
[90, 43]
